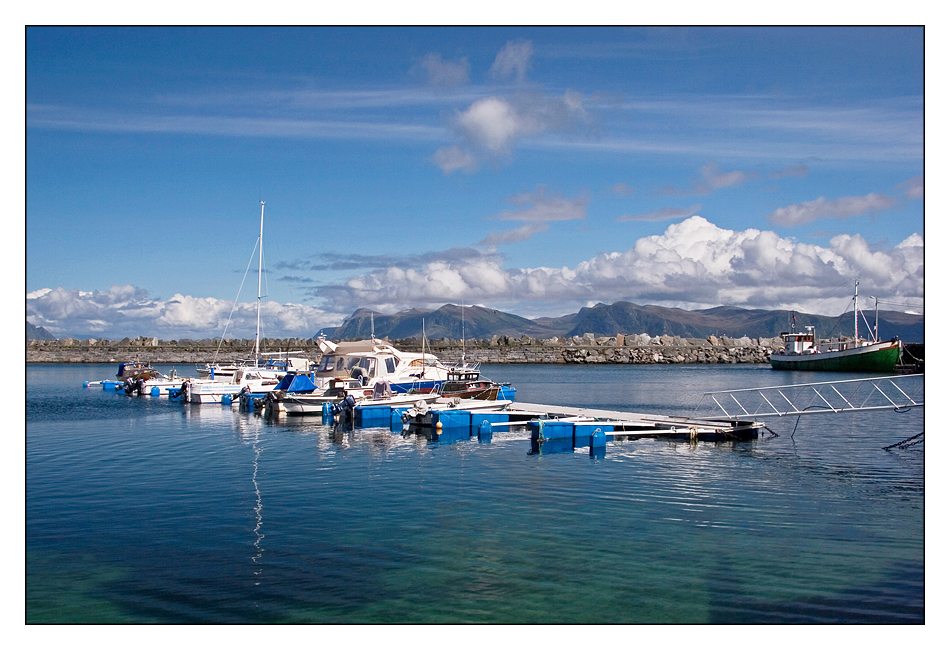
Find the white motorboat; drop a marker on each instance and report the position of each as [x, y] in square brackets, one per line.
[372, 361]
[244, 380]
[311, 402]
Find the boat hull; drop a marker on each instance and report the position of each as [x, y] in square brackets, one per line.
[878, 357]
[313, 404]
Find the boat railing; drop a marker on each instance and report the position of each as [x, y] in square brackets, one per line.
[848, 395]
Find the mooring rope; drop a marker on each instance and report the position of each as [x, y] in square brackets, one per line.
[903, 444]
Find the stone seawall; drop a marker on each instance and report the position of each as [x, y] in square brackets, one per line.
[636, 349]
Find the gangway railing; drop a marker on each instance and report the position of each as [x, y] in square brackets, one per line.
[847, 395]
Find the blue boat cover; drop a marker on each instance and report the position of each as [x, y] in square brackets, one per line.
[296, 383]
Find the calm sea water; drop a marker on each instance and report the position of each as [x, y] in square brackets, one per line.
[149, 511]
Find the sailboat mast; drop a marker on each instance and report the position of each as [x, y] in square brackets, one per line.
[260, 267]
[855, 311]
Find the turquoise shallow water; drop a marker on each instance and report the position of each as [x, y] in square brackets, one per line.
[145, 510]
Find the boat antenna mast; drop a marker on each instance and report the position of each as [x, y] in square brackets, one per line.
[876, 336]
[855, 312]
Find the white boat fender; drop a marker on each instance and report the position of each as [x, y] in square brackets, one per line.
[418, 409]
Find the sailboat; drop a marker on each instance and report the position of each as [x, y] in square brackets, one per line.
[806, 351]
[260, 377]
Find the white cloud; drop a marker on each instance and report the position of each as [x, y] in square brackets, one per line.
[491, 126]
[129, 311]
[494, 124]
[913, 188]
[821, 208]
[452, 159]
[513, 60]
[537, 209]
[693, 264]
[540, 206]
[513, 235]
[712, 179]
[445, 74]
[716, 180]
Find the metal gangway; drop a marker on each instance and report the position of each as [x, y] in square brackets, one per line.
[844, 396]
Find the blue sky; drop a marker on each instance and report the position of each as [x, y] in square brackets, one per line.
[535, 171]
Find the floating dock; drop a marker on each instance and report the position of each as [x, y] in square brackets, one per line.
[551, 428]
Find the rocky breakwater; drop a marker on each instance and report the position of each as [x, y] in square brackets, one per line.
[622, 348]
[155, 351]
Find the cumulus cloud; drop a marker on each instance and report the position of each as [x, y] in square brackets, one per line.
[822, 208]
[445, 74]
[694, 263]
[513, 61]
[491, 126]
[494, 124]
[663, 214]
[129, 311]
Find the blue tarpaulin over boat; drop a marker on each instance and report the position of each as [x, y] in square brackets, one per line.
[294, 383]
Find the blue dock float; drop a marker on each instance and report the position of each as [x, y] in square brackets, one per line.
[584, 431]
[373, 416]
[492, 417]
[452, 419]
[598, 444]
[555, 436]
[551, 430]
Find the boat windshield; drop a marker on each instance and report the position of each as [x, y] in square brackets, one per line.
[369, 365]
[334, 364]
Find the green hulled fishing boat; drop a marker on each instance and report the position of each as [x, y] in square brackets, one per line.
[806, 351]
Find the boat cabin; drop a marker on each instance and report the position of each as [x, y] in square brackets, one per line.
[136, 370]
[800, 343]
[372, 361]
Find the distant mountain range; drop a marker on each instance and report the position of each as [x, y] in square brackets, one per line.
[618, 318]
[454, 322]
[38, 333]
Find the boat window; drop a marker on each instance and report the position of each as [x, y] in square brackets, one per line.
[390, 365]
[369, 365]
[328, 363]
